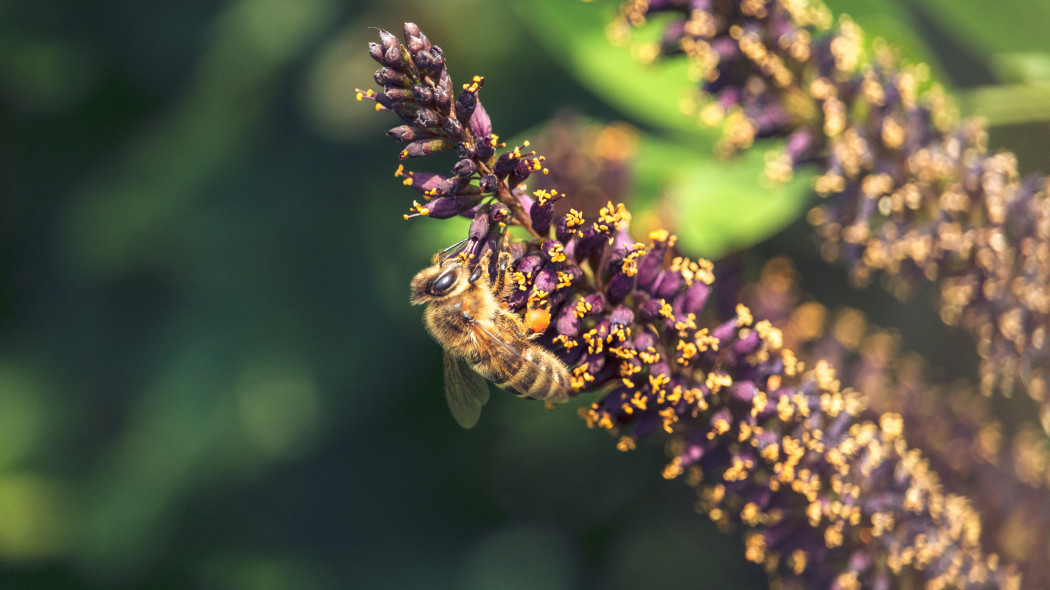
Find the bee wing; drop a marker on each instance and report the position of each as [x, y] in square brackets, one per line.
[484, 337]
[465, 391]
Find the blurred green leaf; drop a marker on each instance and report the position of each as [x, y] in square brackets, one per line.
[36, 514]
[1002, 26]
[880, 19]
[718, 205]
[1008, 105]
[1023, 67]
[575, 33]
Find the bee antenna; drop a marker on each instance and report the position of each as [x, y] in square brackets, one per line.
[453, 249]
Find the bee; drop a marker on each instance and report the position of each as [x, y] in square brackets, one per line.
[466, 314]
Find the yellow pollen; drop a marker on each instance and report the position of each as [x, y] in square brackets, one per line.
[557, 253]
[666, 310]
[673, 469]
[521, 279]
[582, 308]
[744, 317]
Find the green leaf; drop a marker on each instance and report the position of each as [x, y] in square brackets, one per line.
[1008, 104]
[1022, 68]
[886, 20]
[575, 33]
[994, 27]
[717, 206]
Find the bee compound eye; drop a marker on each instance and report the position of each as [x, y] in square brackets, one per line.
[475, 274]
[443, 283]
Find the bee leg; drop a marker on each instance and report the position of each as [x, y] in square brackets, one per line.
[499, 286]
[514, 323]
[481, 268]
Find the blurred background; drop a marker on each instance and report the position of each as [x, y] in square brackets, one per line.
[210, 375]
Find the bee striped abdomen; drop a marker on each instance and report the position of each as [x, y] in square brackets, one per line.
[526, 377]
[542, 377]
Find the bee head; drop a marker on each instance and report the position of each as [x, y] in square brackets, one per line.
[448, 277]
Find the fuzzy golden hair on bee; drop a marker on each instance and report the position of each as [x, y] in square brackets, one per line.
[441, 280]
[481, 339]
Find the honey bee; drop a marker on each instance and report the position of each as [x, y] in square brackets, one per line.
[466, 314]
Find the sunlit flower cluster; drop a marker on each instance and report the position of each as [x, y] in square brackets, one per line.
[909, 195]
[830, 493]
[1004, 469]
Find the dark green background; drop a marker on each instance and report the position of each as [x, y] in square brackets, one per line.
[210, 376]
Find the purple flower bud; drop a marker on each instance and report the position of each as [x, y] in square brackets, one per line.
[442, 98]
[568, 323]
[389, 41]
[451, 186]
[437, 61]
[425, 181]
[396, 94]
[500, 213]
[668, 284]
[563, 230]
[376, 51]
[650, 310]
[465, 150]
[596, 302]
[423, 95]
[523, 199]
[394, 58]
[423, 147]
[692, 301]
[530, 264]
[589, 241]
[465, 104]
[744, 391]
[801, 145]
[390, 77]
[465, 167]
[660, 368]
[570, 251]
[407, 133]
[480, 123]
[621, 316]
[541, 216]
[443, 208]
[725, 332]
[522, 171]
[620, 286]
[546, 279]
[747, 344]
[597, 366]
[553, 250]
[426, 63]
[427, 118]
[453, 127]
[644, 340]
[483, 148]
[404, 109]
[479, 226]
[505, 164]
[489, 183]
[414, 43]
